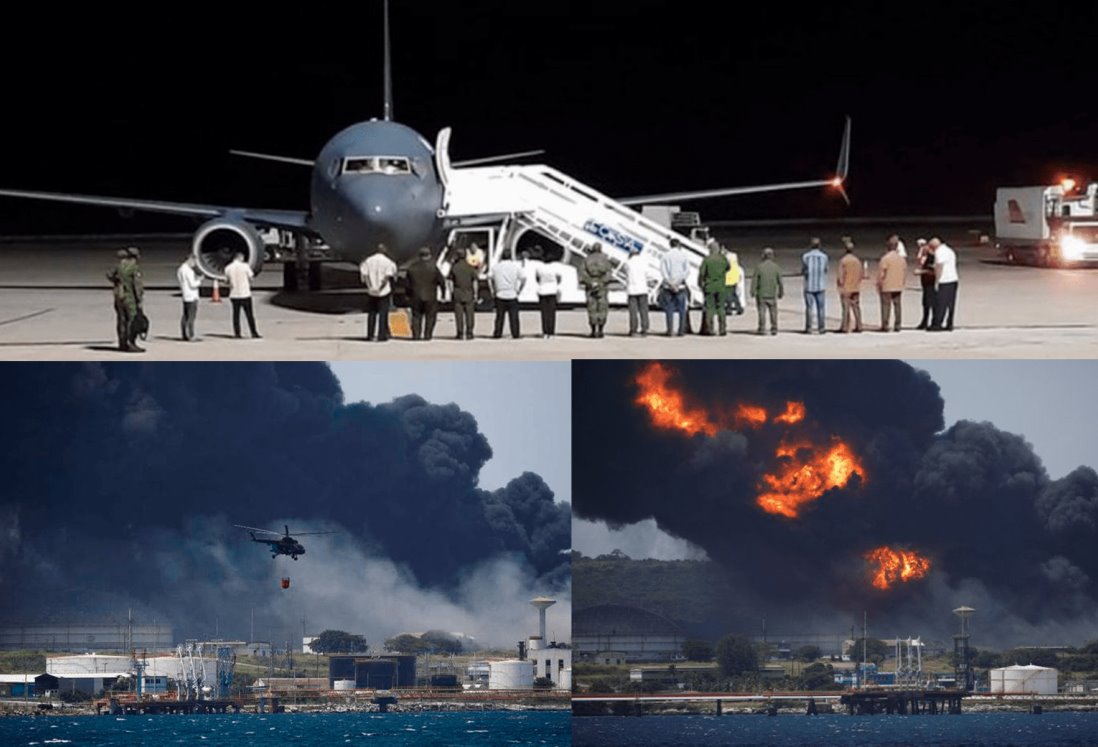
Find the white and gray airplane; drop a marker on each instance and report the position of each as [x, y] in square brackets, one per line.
[376, 182]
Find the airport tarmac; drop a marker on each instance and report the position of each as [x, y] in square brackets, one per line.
[56, 304]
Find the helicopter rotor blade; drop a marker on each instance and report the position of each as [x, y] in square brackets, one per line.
[256, 529]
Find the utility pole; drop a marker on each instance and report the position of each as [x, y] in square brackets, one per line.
[865, 618]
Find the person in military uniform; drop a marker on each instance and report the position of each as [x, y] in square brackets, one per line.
[129, 291]
[424, 282]
[766, 289]
[595, 273]
[711, 279]
[121, 324]
[133, 295]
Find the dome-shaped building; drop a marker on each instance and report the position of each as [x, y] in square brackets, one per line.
[618, 633]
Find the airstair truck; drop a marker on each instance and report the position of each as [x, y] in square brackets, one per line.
[1053, 226]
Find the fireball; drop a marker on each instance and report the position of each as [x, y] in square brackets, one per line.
[805, 473]
[895, 566]
[666, 406]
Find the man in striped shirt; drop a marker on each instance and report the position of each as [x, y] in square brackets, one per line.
[814, 271]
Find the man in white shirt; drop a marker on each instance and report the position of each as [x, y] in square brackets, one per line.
[548, 277]
[636, 288]
[189, 284]
[239, 274]
[506, 280]
[945, 273]
[377, 272]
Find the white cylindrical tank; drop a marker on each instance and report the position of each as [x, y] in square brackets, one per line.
[565, 679]
[344, 685]
[1024, 679]
[511, 675]
[87, 665]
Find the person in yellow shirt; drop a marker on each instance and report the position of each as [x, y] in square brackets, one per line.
[733, 302]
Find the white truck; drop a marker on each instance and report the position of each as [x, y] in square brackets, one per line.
[1054, 226]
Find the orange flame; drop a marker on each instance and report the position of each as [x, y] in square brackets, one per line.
[896, 565]
[666, 406]
[750, 416]
[797, 481]
[794, 413]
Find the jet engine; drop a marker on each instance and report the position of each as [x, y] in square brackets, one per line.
[217, 241]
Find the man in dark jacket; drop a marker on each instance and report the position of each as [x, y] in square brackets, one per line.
[424, 282]
[464, 278]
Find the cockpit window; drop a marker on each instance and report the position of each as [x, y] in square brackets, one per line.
[376, 165]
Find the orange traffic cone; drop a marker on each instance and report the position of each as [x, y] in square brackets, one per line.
[216, 298]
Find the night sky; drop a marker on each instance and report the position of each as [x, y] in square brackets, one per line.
[948, 101]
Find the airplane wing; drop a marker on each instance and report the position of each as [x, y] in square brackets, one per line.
[288, 219]
[836, 182]
[307, 162]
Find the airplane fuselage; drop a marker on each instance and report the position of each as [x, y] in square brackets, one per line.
[375, 183]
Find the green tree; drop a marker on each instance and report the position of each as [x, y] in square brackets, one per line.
[698, 650]
[406, 643]
[735, 655]
[876, 650]
[439, 641]
[817, 676]
[601, 686]
[338, 642]
[985, 659]
[1036, 656]
[807, 653]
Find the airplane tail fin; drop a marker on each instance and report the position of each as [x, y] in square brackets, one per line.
[843, 167]
[388, 72]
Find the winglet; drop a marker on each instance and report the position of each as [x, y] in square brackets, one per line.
[388, 70]
[843, 167]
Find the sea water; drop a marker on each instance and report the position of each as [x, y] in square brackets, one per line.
[1021, 729]
[485, 728]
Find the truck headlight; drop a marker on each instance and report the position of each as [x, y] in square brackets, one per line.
[1072, 248]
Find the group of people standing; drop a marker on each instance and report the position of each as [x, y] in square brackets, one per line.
[129, 295]
[425, 280]
[935, 265]
[720, 278]
[238, 274]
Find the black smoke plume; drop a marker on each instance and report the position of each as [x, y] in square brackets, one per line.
[123, 483]
[976, 500]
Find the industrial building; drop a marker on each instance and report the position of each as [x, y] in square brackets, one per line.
[124, 635]
[550, 659]
[373, 672]
[622, 633]
[92, 673]
[27, 685]
[1028, 679]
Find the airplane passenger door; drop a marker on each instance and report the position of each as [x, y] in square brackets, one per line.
[462, 240]
[442, 162]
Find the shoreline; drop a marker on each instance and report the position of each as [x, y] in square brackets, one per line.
[12, 710]
[1081, 704]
